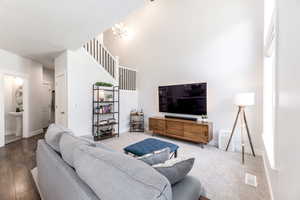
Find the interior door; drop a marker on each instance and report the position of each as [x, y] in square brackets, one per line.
[60, 100]
[46, 105]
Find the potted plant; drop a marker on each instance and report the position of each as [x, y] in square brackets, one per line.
[103, 84]
[109, 97]
[204, 118]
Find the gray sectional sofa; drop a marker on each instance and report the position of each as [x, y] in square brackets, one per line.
[74, 171]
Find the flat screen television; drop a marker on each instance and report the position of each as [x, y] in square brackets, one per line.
[183, 99]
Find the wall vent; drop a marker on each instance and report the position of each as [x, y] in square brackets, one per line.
[251, 180]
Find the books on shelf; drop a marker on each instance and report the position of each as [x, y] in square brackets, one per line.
[105, 112]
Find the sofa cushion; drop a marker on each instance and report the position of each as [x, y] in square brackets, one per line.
[175, 169]
[67, 145]
[156, 157]
[53, 135]
[113, 175]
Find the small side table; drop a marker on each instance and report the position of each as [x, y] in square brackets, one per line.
[136, 122]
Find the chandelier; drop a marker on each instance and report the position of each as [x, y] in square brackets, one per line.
[120, 31]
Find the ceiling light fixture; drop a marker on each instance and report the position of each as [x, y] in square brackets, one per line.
[120, 31]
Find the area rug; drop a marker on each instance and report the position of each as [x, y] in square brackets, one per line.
[221, 173]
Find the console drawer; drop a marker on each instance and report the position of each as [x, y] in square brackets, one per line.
[161, 125]
[193, 128]
[157, 125]
[196, 132]
[174, 128]
[198, 137]
[152, 124]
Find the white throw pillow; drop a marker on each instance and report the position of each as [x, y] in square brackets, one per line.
[175, 169]
[156, 157]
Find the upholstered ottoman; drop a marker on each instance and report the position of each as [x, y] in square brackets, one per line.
[150, 145]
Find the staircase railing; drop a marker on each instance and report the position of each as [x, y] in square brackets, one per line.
[124, 75]
[127, 78]
[103, 56]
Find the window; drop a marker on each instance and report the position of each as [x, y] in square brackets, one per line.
[269, 86]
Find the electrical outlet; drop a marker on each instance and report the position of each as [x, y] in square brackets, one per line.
[250, 179]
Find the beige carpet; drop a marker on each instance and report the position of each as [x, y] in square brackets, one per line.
[221, 173]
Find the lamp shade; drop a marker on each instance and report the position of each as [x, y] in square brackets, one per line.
[245, 99]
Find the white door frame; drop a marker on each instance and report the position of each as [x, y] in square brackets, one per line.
[65, 123]
[25, 105]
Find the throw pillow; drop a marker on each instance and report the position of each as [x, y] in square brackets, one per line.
[53, 135]
[175, 169]
[156, 157]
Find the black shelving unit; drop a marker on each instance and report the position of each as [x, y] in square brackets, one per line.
[106, 113]
[137, 122]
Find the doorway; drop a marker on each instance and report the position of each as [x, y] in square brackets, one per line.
[48, 96]
[13, 108]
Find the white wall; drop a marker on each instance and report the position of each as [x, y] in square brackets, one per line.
[10, 104]
[35, 99]
[48, 76]
[82, 72]
[218, 42]
[31, 72]
[129, 102]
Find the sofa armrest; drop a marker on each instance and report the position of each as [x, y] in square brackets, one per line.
[189, 188]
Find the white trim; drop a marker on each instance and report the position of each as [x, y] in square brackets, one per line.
[10, 132]
[35, 132]
[259, 152]
[124, 130]
[129, 68]
[265, 160]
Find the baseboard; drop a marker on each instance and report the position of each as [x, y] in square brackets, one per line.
[259, 152]
[35, 132]
[265, 160]
[124, 131]
[10, 133]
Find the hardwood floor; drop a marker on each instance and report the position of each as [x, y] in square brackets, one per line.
[203, 198]
[16, 161]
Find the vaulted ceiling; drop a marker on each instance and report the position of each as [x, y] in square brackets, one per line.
[42, 29]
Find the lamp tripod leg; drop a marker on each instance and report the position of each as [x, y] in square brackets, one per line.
[248, 133]
[233, 129]
[243, 154]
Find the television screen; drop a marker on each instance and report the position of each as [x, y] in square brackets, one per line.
[183, 99]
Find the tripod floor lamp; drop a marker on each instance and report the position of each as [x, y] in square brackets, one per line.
[242, 100]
